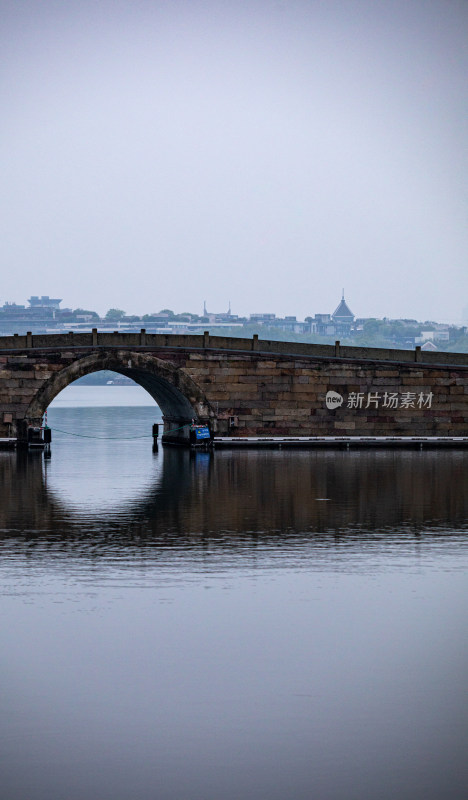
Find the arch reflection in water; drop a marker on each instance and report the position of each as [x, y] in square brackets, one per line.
[176, 497]
[102, 475]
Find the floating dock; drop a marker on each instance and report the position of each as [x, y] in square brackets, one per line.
[339, 441]
[279, 442]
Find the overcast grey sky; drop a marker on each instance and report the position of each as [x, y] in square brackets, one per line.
[156, 154]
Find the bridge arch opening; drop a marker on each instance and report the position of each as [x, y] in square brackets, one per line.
[175, 392]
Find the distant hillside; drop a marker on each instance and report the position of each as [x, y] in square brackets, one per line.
[103, 377]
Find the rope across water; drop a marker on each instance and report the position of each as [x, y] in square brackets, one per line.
[88, 436]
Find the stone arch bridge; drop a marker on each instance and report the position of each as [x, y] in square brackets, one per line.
[245, 386]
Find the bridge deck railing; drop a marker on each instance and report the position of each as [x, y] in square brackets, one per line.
[106, 339]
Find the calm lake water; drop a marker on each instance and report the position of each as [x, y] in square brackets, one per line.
[244, 625]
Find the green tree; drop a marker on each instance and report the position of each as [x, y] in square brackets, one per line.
[115, 314]
[92, 314]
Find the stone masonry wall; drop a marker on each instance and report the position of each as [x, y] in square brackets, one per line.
[288, 397]
[263, 392]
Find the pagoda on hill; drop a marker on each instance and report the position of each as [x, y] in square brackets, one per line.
[343, 314]
[343, 318]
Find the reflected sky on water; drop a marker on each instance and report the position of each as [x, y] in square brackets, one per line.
[248, 624]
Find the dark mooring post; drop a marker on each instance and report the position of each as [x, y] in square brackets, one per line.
[155, 436]
[47, 437]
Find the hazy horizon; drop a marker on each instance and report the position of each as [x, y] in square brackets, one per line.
[156, 155]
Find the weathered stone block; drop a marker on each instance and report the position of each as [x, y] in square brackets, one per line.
[384, 382]
[43, 376]
[306, 398]
[259, 405]
[458, 406]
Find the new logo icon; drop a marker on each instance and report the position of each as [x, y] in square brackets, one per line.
[333, 400]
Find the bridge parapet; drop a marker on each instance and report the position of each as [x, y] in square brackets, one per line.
[155, 341]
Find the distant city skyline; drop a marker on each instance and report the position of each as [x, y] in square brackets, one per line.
[456, 319]
[49, 303]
